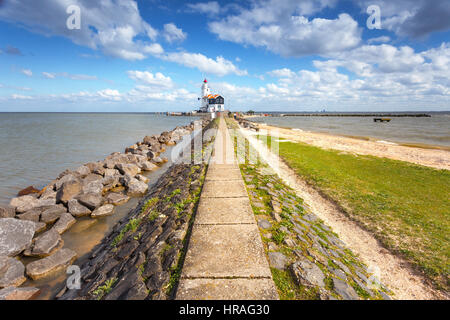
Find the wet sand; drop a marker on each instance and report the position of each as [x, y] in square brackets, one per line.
[430, 156]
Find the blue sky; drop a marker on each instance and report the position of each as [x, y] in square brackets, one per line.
[263, 55]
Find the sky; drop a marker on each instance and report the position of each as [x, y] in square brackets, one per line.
[264, 55]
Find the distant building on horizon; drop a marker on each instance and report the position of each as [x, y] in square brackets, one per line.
[211, 102]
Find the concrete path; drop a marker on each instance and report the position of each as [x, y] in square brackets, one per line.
[225, 257]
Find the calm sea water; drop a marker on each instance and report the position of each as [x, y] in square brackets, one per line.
[36, 147]
[430, 131]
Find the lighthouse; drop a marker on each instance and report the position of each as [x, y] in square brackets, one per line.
[211, 102]
[205, 88]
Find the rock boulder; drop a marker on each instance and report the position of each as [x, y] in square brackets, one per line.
[128, 168]
[307, 273]
[76, 209]
[28, 191]
[14, 293]
[11, 272]
[52, 213]
[15, 236]
[90, 200]
[68, 190]
[83, 171]
[24, 203]
[46, 266]
[116, 198]
[136, 187]
[64, 223]
[93, 186]
[105, 210]
[277, 260]
[7, 212]
[46, 244]
[64, 179]
[30, 215]
[148, 166]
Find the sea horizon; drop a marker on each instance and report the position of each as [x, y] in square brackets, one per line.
[242, 111]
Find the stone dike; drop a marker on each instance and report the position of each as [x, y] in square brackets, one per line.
[307, 259]
[32, 224]
[142, 256]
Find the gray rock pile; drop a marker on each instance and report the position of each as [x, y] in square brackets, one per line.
[140, 258]
[32, 223]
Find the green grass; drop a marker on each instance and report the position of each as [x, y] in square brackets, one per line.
[104, 289]
[150, 203]
[132, 225]
[278, 235]
[405, 205]
[153, 215]
[173, 194]
[289, 290]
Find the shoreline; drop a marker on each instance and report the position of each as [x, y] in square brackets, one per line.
[426, 155]
[374, 139]
[40, 218]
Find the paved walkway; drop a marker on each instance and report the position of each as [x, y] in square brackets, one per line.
[225, 257]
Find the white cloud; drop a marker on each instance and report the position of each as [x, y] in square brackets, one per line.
[20, 97]
[386, 57]
[415, 18]
[379, 40]
[110, 94]
[283, 27]
[172, 33]
[79, 76]
[385, 77]
[49, 75]
[111, 26]
[211, 7]
[220, 66]
[281, 73]
[177, 95]
[153, 49]
[235, 96]
[146, 78]
[27, 72]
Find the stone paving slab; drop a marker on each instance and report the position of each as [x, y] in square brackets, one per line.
[222, 211]
[223, 174]
[215, 166]
[222, 161]
[224, 189]
[227, 289]
[225, 251]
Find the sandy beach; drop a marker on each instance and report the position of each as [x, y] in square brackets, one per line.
[438, 158]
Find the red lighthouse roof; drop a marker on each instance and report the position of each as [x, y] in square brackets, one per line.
[205, 81]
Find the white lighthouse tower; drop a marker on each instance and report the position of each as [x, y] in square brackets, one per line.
[205, 88]
[210, 102]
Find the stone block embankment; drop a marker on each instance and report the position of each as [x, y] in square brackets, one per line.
[141, 257]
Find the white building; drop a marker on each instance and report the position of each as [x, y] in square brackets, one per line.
[210, 102]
